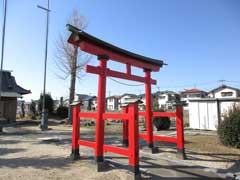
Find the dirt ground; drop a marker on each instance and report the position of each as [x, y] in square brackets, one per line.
[27, 153]
[206, 150]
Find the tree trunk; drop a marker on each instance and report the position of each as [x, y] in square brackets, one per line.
[72, 83]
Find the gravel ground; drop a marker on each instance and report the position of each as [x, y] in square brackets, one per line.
[26, 153]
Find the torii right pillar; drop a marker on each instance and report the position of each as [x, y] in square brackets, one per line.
[149, 125]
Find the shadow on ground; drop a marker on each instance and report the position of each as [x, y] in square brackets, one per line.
[44, 162]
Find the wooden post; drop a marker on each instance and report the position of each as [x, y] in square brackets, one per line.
[133, 138]
[75, 131]
[125, 128]
[180, 132]
[100, 110]
[149, 126]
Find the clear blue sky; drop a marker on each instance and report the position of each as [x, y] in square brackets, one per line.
[199, 40]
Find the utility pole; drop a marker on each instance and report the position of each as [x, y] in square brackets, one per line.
[3, 41]
[44, 121]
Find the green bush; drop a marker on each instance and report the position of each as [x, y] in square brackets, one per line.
[229, 128]
[161, 123]
[48, 103]
[62, 112]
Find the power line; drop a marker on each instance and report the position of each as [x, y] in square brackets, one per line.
[186, 85]
[125, 84]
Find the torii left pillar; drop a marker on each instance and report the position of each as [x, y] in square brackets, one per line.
[75, 130]
[100, 110]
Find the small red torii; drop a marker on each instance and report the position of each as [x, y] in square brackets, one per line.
[105, 51]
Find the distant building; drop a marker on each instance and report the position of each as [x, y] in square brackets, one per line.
[207, 112]
[87, 103]
[10, 91]
[125, 98]
[224, 92]
[166, 99]
[192, 94]
[142, 106]
[94, 103]
[112, 103]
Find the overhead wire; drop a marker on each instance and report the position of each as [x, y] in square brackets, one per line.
[126, 84]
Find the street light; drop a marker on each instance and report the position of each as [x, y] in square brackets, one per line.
[3, 40]
[44, 120]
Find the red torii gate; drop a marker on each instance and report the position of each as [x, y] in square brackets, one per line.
[105, 51]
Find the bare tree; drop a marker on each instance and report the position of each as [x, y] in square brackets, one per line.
[70, 61]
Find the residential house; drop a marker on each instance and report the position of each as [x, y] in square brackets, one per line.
[166, 99]
[112, 103]
[86, 101]
[206, 113]
[10, 91]
[142, 106]
[192, 94]
[224, 91]
[125, 98]
[94, 103]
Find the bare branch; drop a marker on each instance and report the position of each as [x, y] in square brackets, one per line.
[69, 60]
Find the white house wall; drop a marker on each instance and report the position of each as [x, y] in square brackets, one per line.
[204, 114]
[219, 95]
[225, 106]
[213, 115]
[111, 104]
[162, 102]
[194, 115]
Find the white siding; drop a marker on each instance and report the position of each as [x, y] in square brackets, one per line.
[218, 94]
[204, 114]
[162, 100]
[194, 115]
[225, 106]
[213, 115]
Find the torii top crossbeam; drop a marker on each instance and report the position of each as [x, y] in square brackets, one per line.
[95, 46]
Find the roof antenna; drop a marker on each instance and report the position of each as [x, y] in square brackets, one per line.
[222, 81]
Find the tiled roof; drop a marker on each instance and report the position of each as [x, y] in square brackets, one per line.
[223, 87]
[9, 85]
[116, 97]
[194, 90]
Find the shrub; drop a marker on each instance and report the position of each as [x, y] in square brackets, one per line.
[162, 123]
[48, 103]
[229, 128]
[62, 112]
